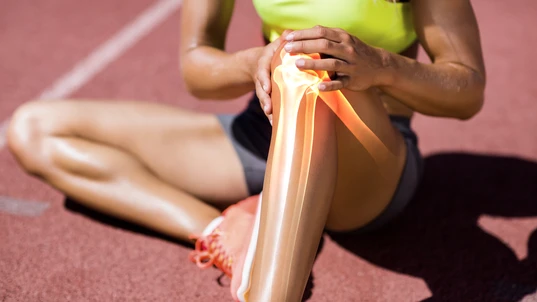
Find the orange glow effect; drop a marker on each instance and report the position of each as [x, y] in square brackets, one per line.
[287, 210]
[293, 83]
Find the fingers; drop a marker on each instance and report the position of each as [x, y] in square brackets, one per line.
[263, 73]
[264, 98]
[263, 65]
[263, 85]
[317, 32]
[319, 39]
[324, 46]
[263, 82]
[284, 35]
[339, 83]
[323, 64]
[335, 42]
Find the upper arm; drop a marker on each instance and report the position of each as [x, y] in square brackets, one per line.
[448, 31]
[204, 23]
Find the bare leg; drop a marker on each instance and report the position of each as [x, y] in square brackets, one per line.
[290, 230]
[300, 180]
[301, 190]
[145, 163]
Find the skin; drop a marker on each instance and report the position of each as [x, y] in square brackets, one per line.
[60, 142]
[343, 170]
[293, 217]
[114, 167]
[452, 87]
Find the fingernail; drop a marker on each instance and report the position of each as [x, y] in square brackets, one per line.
[288, 47]
[300, 62]
[290, 37]
[265, 108]
[265, 87]
[322, 86]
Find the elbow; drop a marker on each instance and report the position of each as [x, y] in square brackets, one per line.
[193, 85]
[471, 108]
[197, 84]
[203, 94]
[188, 70]
[197, 92]
[473, 103]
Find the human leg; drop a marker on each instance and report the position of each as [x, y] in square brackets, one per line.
[147, 163]
[297, 196]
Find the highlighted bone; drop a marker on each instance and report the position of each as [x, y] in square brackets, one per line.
[291, 160]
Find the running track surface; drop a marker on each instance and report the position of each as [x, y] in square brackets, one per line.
[469, 235]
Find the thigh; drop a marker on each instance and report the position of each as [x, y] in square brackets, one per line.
[369, 167]
[186, 149]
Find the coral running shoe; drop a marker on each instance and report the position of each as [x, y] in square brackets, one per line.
[227, 244]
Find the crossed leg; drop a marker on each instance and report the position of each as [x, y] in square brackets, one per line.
[147, 163]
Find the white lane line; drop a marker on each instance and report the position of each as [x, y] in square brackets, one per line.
[22, 207]
[105, 54]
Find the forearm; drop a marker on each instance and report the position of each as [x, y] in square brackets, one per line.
[211, 73]
[444, 89]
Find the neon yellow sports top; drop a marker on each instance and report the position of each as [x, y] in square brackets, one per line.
[379, 23]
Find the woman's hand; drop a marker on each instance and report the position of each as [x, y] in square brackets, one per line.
[355, 65]
[262, 79]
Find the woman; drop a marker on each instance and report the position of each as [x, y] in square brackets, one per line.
[171, 170]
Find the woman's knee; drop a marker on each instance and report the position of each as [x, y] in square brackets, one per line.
[27, 130]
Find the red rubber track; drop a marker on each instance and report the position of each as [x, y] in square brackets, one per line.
[469, 235]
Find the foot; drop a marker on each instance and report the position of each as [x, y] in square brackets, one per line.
[225, 243]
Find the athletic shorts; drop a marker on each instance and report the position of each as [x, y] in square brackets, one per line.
[250, 133]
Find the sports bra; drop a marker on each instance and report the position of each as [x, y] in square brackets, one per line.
[379, 23]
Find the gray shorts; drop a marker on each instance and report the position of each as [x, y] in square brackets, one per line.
[254, 169]
[254, 166]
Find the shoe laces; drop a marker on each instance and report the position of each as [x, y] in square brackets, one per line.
[209, 251]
